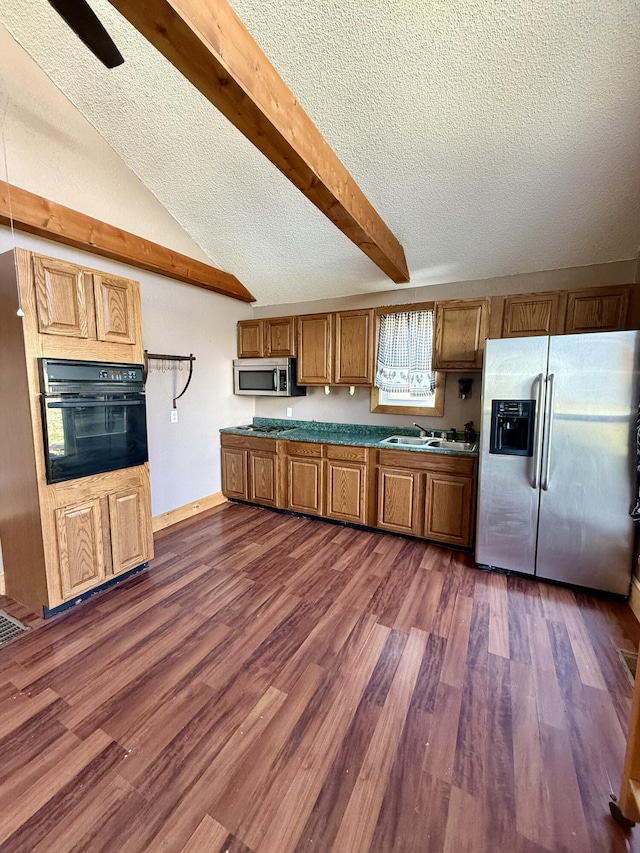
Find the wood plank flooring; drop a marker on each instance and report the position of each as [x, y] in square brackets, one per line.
[277, 685]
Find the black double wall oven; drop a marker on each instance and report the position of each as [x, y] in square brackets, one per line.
[94, 417]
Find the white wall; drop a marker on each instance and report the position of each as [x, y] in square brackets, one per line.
[177, 319]
[340, 407]
[53, 151]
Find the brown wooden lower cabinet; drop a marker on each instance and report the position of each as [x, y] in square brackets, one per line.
[101, 537]
[448, 508]
[80, 547]
[129, 518]
[398, 500]
[262, 479]
[249, 469]
[234, 473]
[305, 480]
[347, 491]
[419, 494]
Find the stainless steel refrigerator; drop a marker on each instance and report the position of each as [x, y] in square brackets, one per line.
[558, 457]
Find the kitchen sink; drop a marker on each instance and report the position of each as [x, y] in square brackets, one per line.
[444, 444]
[426, 441]
[407, 440]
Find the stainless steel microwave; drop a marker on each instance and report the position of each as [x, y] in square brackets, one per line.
[266, 377]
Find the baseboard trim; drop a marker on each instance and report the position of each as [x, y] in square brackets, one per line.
[182, 513]
[634, 597]
[2, 586]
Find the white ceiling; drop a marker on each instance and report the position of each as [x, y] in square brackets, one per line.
[493, 136]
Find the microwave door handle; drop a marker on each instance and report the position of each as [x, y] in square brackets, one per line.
[275, 378]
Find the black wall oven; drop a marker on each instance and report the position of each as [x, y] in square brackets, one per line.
[93, 416]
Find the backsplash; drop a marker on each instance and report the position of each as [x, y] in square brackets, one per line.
[340, 407]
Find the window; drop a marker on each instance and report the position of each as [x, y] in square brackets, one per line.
[405, 382]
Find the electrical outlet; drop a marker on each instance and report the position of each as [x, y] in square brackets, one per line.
[289, 412]
[174, 416]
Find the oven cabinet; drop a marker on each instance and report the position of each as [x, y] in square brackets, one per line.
[82, 312]
[428, 495]
[80, 547]
[249, 469]
[100, 537]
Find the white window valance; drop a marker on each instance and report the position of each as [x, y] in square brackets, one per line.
[405, 350]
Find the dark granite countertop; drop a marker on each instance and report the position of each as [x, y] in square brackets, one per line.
[359, 435]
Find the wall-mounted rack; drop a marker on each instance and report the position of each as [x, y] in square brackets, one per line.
[170, 362]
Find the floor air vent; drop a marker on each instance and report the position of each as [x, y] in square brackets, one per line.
[631, 662]
[10, 628]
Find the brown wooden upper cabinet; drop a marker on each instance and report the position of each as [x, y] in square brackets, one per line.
[597, 309]
[533, 314]
[76, 303]
[250, 339]
[279, 337]
[274, 337]
[561, 312]
[315, 349]
[461, 326]
[336, 349]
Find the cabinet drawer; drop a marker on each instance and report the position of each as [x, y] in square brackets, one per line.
[248, 442]
[346, 453]
[306, 449]
[423, 461]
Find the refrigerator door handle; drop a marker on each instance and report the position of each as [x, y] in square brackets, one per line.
[548, 428]
[537, 445]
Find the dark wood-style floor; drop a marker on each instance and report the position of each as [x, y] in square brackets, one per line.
[280, 684]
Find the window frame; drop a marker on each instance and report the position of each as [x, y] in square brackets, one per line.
[435, 411]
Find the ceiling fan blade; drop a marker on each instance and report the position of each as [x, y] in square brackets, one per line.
[86, 25]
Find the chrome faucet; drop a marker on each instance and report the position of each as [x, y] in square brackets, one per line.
[423, 430]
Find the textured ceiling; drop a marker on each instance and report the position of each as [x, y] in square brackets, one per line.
[492, 137]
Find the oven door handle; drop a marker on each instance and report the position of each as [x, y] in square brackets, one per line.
[83, 404]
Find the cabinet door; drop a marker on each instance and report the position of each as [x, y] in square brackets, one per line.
[116, 315]
[531, 314]
[315, 349]
[250, 339]
[460, 331]
[448, 509]
[305, 485]
[280, 337]
[60, 298]
[398, 500]
[347, 491]
[353, 348]
[129, 522]
[597, 309]
[234, 473]
[80, 547]
[262, 477]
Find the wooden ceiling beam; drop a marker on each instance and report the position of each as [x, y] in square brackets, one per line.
[207, 42]
[46, 218]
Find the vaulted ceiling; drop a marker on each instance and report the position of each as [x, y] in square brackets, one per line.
[492, 137]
